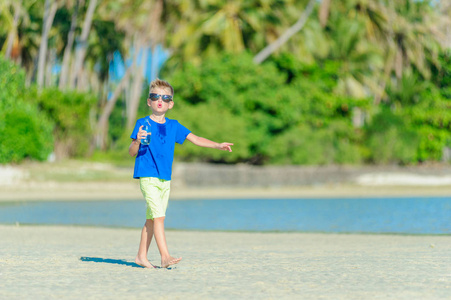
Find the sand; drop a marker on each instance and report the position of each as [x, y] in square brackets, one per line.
[38, 191]
[77, 180]
[53, 262]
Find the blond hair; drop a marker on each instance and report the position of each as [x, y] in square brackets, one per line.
[158, 83]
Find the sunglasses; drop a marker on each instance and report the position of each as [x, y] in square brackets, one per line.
[155, 97]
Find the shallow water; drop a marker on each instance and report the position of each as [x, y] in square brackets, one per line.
[369, 215]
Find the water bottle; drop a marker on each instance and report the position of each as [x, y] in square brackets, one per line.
[146, 140]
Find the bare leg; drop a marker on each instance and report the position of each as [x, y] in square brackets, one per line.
[146, 238]
[166, 259]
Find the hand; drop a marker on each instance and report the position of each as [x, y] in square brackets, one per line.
[225, 146]
[141, 133]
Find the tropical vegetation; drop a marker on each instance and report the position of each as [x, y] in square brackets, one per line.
[288, 81]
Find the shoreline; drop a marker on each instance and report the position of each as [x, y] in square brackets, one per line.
[213, 231]
[130, 191]
[81, 180]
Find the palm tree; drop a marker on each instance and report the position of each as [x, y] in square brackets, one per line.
[414, 37]
[82, 46]
[50, 8]
[445, 24]
[262, 55]
[70, 43]
[6, 17]
[141, 23]
[404, 32]
[360, 60]
[203, 27]
[12, 35]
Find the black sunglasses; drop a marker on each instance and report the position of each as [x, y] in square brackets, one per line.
[155, 97]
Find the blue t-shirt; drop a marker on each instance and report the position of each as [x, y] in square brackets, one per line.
[155, 160]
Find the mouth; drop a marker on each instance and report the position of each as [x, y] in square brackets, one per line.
[160, 105]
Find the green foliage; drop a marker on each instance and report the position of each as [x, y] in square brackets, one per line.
[305, 145]
[390, 139]
[214, 123]
[432, 119]
[427, 109]
[229, 98]
[432, 142]
[117, 122]
[12, 83]
[25, 132]
[71, 113]
[232, 93]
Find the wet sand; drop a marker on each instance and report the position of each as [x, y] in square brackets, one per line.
[52, 262]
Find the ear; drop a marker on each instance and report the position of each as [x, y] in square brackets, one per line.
[148, 102]
[171, 104]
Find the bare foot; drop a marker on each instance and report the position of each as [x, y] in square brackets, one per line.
[170, 261]
[143, 263]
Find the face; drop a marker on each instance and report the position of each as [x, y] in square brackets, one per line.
[159, 106]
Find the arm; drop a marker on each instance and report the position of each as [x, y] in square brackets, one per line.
[134, 146]
[203, 142]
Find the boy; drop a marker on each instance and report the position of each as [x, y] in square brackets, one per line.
[153, 166]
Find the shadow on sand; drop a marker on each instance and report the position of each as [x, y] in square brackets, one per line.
[116, 262]
[110, 261]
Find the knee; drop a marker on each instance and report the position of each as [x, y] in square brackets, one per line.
[159, 220]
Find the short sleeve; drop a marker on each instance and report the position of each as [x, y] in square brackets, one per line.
[181, 133]
[136, 130]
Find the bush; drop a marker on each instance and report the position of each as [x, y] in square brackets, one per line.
[12, 84]
[390, 139]
[25, 132]
[71, 113]
[304, 145]
[230, 98]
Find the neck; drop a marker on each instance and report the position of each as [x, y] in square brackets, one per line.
[158, 119]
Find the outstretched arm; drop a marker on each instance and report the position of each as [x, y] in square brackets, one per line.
[203, 142]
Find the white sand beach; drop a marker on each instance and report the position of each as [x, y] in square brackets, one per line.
[43, 262]
[64, 262]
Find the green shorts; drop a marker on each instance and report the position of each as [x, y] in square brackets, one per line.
[156, 192]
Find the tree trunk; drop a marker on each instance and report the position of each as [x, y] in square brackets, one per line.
[103, 123]
[149, 37]
[82, 44]
[154, 65]
[50, 62]
[324, 10]
[137, 83]
[12, 35]
[399, 63]
[49, 15]
[68, 50]
[268, 50]
[134, 66]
